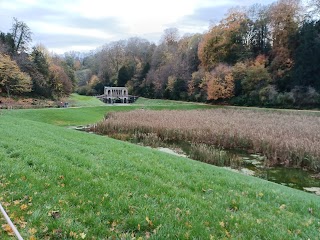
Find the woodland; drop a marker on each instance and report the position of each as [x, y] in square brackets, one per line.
[263, 55]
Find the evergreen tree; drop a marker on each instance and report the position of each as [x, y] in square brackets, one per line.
[307, 56]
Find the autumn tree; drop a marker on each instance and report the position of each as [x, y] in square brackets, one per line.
[250, 77]
[225, 42]
[220, 83]
[12, 80]
[284, 19]
[60, 83]
[256, 75]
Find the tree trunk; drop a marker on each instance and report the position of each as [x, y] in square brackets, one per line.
[8, 91]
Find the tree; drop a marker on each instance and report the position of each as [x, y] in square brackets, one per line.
[60, 82]
[40, 81]
[41, 61]
[260, 42]
[306, 71]
[284, 18]
[21, 35]
[170, 36]
[256, 75]
[6, 43]
[11, 78]
[220, 83]
[196, 86]
[225, 42]
[124, 75]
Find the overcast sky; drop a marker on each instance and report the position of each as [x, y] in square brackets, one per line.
[82, 25]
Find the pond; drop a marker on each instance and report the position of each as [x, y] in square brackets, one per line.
[292, 177]
[253, 165]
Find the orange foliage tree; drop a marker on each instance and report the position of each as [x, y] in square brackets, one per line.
[60, 82]
[224, 42]
[220, 83]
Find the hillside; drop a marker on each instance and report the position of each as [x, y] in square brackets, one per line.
[58, 183]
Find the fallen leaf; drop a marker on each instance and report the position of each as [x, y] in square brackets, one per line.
[7, 229]
[149, 221]
[82, 235]
[23, 207]
[22, 223]
[45, 229]
[73, 234]
[222, 224]
[188, 224]
[283, 206]
[32, 231]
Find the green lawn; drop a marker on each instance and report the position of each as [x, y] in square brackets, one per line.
[58, 183]
[76, 100]
[66, 116]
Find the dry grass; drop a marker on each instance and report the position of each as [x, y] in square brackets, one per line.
[291, 139]
[25, 102]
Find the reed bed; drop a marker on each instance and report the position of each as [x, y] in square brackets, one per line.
[286, 138]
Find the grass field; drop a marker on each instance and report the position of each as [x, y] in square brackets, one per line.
[58, 183]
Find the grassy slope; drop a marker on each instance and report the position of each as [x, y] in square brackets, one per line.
[103, 187]
[76, 100]
[65, 116]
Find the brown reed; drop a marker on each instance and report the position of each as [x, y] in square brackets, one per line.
[286, 138]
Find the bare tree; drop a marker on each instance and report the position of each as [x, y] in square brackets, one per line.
[21, 34]
[170, 36]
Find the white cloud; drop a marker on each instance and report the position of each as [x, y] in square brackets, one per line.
[142, 16]
[104, 21]
[77, 48]
[51, 28]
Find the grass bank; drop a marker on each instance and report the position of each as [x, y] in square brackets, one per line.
[58, 183]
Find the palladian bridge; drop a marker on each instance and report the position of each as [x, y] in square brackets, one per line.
[115, 94]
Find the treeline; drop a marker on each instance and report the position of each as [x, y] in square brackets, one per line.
[262, 55]
[34, 73]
